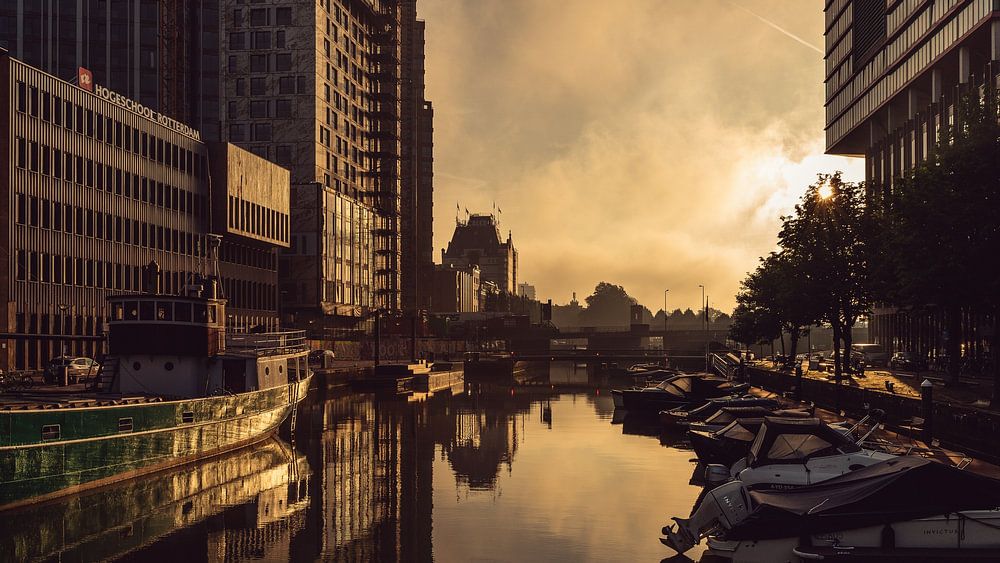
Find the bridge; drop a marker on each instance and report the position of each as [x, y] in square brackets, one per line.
[543, 340]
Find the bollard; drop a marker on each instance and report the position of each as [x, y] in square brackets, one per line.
[927, 408]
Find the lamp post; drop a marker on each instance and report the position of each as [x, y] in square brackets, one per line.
[704, 312]
[664, 339]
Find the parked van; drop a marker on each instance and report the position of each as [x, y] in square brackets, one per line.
[874, 354]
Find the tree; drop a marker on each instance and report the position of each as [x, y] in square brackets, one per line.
[609, 305]
[828, 238]
[944, 226]
[752, 325]
[779, 292]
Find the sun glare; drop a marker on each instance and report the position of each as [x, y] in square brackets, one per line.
[825, 191]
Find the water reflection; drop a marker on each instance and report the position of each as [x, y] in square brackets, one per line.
[266, 485]
[530, 468]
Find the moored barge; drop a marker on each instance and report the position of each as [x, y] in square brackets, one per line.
[174, 388]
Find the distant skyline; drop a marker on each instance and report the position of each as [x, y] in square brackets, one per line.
[648, 143]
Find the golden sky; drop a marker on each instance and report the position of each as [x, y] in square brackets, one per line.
[649, 143]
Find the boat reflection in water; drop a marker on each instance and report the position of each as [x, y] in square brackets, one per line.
[266, 484]
[525, 469]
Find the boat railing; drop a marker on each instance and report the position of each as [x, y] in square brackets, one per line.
[267, 343]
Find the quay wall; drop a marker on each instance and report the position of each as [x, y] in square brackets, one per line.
[967, 429]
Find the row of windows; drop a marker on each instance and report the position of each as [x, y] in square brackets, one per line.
[262, 108]
[64, 113]
[53, 215]
[238, 132]
[262, 62]
[857, 107]
[254, 218]
[48, 161]
[247, 256]
[245, 294]
[261, 17]
[42, 267]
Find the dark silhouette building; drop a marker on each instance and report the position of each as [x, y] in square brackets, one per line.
[477, 242]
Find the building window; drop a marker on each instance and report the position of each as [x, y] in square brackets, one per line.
[283, 155]
[241, 87]
[231, 110]
[282, 108]
[237, 132]
[262, 40]
[258, 86]
[279, 39]
[283, 16]
[286, 85]
[258, 108]
[233, 64]
[283, 62]
[237, 41]
[258, 17]
[258, 63]
[22, 97]
[262, 132]
[238, 17]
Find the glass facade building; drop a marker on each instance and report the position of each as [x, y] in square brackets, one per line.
[894, 71]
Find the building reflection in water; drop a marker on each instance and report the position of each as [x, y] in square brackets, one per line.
[375, 461]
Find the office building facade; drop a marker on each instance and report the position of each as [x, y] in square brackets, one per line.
[162, 53]
[894, 72]
[96, 187]
[318, 87]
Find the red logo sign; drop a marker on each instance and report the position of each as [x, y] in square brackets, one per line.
[85, 79]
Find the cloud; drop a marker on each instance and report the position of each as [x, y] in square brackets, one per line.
[650, 143]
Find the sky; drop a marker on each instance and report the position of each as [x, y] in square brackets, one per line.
[653, 144]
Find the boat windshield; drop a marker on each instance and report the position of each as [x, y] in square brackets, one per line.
[796, 446]
[679, 387]
[795, 440]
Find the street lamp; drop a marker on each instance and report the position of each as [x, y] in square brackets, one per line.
[62, 328]
[664, 339]
[704, 312]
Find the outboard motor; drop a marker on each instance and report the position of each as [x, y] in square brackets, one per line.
[725, 506]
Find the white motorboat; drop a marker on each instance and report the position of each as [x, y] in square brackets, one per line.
[792, 452]
[903, 508]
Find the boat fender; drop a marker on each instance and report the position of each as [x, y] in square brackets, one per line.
[888, 537]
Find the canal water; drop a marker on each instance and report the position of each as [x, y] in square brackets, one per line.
[535, 468]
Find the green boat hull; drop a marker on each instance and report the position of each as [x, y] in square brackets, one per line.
[101, 445]
[269, 480]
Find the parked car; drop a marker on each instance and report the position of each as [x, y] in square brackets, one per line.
[874, 354]
[906, 361]
[80, 368]
[321, 358]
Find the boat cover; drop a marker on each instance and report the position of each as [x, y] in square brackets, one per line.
[896, 490]
[729, 414]
[715, 405]
[741, 430]
[796, 440]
